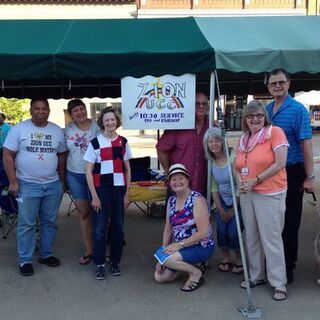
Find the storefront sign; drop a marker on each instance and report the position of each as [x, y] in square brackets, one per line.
[166, 102]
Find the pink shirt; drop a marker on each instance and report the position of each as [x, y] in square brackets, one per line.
[262, 157]
[185, 146]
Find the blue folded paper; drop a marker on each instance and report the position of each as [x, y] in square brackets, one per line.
[161, 256]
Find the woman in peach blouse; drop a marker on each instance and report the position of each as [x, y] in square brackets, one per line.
[262, 184]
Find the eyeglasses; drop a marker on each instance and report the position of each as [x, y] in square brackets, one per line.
[258, 115]
[276, 83]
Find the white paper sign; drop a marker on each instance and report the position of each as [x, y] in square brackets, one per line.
[166, 102]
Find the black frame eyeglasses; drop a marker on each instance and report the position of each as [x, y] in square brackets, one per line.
[257, 115]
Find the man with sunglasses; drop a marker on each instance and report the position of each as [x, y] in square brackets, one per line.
[294, 119]
[185, 146]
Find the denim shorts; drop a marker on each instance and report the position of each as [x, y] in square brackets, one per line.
[196, 253]
[77, 184]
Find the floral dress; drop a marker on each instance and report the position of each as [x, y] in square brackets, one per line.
[183, 223]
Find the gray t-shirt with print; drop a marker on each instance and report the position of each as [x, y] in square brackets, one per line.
[77, 143]
[37, 148]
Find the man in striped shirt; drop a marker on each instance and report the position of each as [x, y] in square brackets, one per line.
[294, 119]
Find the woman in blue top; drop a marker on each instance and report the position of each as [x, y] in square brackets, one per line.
[187, 234]
[222, 196]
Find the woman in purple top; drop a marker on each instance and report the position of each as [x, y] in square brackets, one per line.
[187, 235]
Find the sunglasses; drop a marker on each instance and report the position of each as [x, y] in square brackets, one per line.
[258, 115]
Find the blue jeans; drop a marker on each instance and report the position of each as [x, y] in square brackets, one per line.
[227, 232]
[196, 253]
[112, 206]
[41, 200]
[77, 184]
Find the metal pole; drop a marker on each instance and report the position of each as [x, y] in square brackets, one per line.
[250, 311]
[211, 118]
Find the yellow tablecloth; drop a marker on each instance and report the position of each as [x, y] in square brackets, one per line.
[141, 191]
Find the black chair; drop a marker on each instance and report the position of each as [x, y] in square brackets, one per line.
[140, 169]
[8, 205]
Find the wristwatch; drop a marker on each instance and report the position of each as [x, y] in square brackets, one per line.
[181, 244]
[311, 176]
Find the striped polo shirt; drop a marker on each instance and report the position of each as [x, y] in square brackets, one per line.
[294, 119]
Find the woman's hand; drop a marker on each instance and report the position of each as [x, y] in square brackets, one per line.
[224, 216]
[230, 213]
[126, 200]
[96, 203]
[227, 215]
[172, 247]
[160, 268]
[247, 185]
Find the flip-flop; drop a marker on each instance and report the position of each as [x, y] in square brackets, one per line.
[252, 284]
[193, 285]
[237, 269]
[203, 267]
[85, 259]
[225, 266]
[279, 295]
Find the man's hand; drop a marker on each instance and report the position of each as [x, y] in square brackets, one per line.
[309, 185]
[14, 189]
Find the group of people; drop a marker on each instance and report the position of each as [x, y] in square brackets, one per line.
[91, 160]
[272, 166]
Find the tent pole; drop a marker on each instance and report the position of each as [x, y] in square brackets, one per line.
[211, 119]
[250, 311]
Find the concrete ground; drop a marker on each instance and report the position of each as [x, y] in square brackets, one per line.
[70, 292]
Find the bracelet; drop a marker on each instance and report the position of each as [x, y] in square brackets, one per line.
[258, 180]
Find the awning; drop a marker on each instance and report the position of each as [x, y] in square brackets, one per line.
[87, 58]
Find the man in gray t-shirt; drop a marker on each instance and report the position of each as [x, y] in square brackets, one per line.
[34, 160]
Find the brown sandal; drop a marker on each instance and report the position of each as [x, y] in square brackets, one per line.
[85, 259]
[279, 295]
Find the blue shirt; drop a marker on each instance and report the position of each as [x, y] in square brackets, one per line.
[4, 129]
[294, 119]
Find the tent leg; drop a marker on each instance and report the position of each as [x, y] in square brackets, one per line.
[249, 312]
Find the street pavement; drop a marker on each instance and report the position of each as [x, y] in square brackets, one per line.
[70, 291]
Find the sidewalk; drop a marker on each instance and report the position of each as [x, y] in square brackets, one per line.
[70, 291]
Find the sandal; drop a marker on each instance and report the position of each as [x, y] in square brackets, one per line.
[202, 267]
[225, 266]
[192, 285]
[252, 283]
[85, 259]
[237, 269]
[279, 295]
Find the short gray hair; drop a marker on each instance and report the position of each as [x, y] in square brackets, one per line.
[213, 132]
[254, 106]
